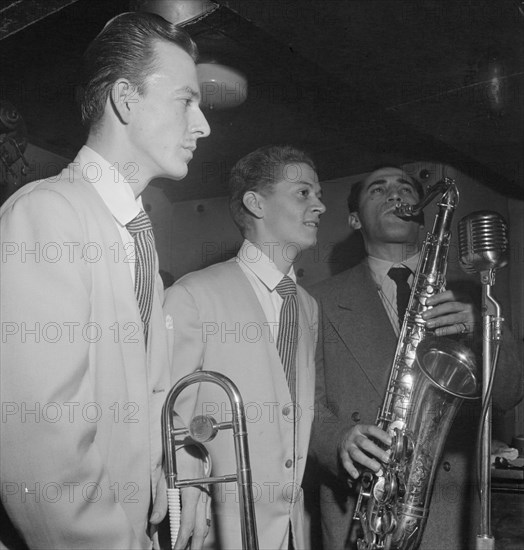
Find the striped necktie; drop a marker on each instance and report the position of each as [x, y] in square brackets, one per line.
[401, 275]
[288, 331]
[141, 230]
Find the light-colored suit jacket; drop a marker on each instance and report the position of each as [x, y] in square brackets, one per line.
[352, 370]
[80, 433]
[217, 324]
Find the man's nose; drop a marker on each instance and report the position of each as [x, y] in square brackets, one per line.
[319, 207]
[393, 193]
[200, 125]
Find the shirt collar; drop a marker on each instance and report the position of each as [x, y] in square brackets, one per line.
[109, 183]
[262, 266]
[379, 268]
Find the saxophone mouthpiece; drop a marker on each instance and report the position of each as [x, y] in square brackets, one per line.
[404, 210]
[410, 212]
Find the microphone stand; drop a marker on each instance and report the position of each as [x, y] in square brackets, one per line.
[491, 334]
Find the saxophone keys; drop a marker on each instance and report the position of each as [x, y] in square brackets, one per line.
[385, 489]
[401, 446]
[383, 522]
[397, 446]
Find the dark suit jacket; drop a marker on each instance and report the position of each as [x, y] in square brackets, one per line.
[352, 370]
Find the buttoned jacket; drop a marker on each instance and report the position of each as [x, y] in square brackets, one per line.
[216, 323]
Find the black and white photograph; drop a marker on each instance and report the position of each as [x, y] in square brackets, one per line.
[262, 274]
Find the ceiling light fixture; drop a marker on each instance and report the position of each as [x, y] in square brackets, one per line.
[176, 11]
[221, 86]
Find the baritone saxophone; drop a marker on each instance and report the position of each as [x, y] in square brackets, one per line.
[429, 379]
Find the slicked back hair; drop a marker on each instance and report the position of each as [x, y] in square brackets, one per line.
[259, 171]
[125, 48]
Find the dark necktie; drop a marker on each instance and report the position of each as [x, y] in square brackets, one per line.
[141, 230]
[401, 275]
[288, 331]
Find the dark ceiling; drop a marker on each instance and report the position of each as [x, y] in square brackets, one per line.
[355, 83]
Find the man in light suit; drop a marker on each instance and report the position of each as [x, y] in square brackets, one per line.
[226, 318]
[84, 357]
[359, 330]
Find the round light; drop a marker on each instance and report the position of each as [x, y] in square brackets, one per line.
[221, 87]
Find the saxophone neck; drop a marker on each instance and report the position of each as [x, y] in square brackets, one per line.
[445, 187]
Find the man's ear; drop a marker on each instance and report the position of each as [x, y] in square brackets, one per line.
[123, 98]
[252, 201]
[354, 221]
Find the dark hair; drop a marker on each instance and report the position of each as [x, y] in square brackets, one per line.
[356, 189]
[259, 171]
[125, 49]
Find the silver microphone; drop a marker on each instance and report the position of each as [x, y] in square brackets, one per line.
[483, 241]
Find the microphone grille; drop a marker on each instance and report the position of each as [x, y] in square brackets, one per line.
[483, 241]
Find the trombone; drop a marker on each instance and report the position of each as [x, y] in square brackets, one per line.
[202, 429]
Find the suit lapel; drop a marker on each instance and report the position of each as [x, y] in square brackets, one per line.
[305, 376]
[359, 319]
[257, 315]
[123, 311]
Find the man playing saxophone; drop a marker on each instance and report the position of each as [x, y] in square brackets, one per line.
[360, 328]
[104, 371]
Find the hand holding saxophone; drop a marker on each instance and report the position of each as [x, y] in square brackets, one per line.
[356, 446]
[451, 313]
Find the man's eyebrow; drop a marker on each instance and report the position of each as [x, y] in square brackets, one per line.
[402, 180]
[399, 180]
[304, 182]
[309, 184]
[375, 182]
[188, 90]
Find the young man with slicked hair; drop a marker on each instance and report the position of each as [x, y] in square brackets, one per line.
[84, 367]
[248, 318]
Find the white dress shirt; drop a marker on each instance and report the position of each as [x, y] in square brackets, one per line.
[118, 196]
[264, 276]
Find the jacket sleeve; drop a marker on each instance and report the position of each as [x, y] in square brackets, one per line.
[55, 484]
[327, 427]
[187, 343]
